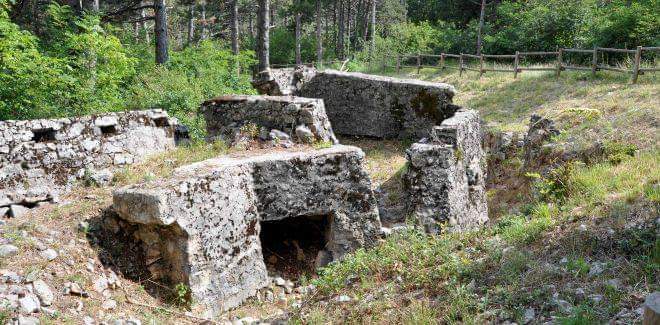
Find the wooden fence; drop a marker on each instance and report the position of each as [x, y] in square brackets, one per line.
[559, 66]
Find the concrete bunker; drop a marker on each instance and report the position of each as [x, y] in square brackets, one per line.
[444, 178]
[203, 225]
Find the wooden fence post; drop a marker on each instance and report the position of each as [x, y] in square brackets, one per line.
[460, 65]
[516, 61]
[481, 65]
[559, 63]
[419, 62]
[636, 64]
[594, 62]
[398, 63]
[442, 61]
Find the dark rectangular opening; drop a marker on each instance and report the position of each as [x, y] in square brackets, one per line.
[43, 135]
[109, 129]
[291, 246]
[162, 122]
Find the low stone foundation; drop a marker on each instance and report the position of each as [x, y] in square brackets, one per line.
[445, 180]
[303, 120]
[382, 107]
[41, 158]
[202, 226]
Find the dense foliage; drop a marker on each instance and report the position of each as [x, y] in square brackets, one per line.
[79, 66]
[532, 25]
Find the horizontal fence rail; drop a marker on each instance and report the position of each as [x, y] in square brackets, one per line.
[635, 71]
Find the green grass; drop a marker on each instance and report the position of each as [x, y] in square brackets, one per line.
[586, 109]
[460, 277]
[164, 164]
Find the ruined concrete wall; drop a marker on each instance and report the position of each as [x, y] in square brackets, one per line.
[382, 107]
[445, 180]
[203, 224]
[41, 158]
[302, 119]
[284, 82]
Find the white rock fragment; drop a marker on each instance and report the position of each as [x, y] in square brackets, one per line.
[29, 304]
[49, 254]
[109, 304]
[42, 290]
[8, 250]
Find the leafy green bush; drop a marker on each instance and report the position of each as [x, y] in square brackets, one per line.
[193, 75]
[28, 79]
[78, 68]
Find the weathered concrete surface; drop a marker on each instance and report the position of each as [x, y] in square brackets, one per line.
[382, 107]
[41, 158]
[445, 181]
[227, 116]
[284, 82]
[201, 227]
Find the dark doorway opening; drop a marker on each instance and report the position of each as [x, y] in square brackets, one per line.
[109, 130]
[43, 135]
[290, 246]
[162, 122]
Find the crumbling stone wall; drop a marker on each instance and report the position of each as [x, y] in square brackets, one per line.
[293, 118]
[41, 158]
[283, 82]
[445, 179]
[201, 226]
[381, 107]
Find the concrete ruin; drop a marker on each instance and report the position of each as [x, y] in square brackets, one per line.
[204, 225]
[381, 107]
[445, 178]
[281, 118]
[284, 82]
[40, 159]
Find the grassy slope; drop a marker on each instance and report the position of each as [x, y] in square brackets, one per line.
[539, 258]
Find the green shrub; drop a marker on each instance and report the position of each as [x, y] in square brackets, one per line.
[616, 152]
[195, 74]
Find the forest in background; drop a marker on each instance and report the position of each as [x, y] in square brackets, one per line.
[75, 57]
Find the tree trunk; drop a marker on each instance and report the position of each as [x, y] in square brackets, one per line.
[298, 14]
[319, 38]
[373, 27]
[263, 38]
[234, 27]
[92, 5]
[366, 22]
[160, 32]
[136, 31]
[251, 23]
[348, 26]
[204, 33]
[191, 23]
[340, 36]
[481, 26]
[147, 37]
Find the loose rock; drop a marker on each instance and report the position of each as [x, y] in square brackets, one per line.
[29, 304]
[42, 290]
[8, 250]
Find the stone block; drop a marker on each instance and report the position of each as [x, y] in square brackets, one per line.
[382, 107]
[445, 181]
[203, 224]
[227, 115]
